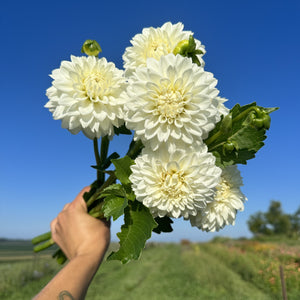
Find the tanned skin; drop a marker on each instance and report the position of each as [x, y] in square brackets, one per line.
[84, 240]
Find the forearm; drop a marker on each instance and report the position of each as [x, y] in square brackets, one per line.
[72, 281]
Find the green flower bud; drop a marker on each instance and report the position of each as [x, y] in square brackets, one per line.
[187, 48]
[91, 48]
[267, 121]
[258, 123]
[181, 47]
[228, 147]
[226, 125]
[258, 118]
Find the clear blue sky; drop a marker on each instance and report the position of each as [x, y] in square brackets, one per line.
[252, 48]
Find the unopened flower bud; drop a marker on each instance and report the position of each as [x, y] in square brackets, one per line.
[267, 121]
[226, 125]
[260, 119]
[258, 123]
[91, 48]
[181, 47]
[228, 147]
[187, 48]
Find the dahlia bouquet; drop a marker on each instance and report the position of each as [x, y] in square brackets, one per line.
[182, 160]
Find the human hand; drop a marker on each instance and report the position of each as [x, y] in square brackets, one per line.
[79, 234]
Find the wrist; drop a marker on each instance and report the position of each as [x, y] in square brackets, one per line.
[92, 258]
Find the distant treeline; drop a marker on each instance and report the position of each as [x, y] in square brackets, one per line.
[13, 240]
[275, 222]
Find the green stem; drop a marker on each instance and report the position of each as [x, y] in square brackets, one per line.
[213, 138]
[216, 146]
[111, 179]
[104, 148]
[245, 112]
[97, 156]
[133, 152]
[60, 256]
[103, 156]
[41, 238]
[97, 208]
[43, 246]
[97, 214]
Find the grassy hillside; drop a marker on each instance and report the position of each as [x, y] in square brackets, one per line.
[18, 250]
[224, 269]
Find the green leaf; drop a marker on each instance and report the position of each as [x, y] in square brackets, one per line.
[238, 157]
[269, 110]
[137, 229]
[164, 225]
[114, 207]
[122, 130]
[248, 138]
[115, 201]
[114, 190]
[123, 170]
[235, 139]
[107, 162]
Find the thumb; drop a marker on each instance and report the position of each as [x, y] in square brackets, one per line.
[79, 200]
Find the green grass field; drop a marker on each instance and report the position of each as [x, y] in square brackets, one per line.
[223, 269]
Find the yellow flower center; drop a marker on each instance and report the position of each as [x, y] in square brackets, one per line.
[169, 104]
[94, 85]
[173, 184]
[223, 190]
[157, 48]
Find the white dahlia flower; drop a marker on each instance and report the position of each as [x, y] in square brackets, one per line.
[85, 95]
[156, 42]
[175, 183]
[170, 100]
[221, 107]
[227, 201]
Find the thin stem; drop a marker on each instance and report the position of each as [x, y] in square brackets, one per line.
[212, 138]
[104, 148]
[133, 152]
[97, 156]
[103, 156]
[216, 146]
[245, 112]
[43, 246]
[41, 238]
[97, 208]
[97, 214]
[111, 179]
[135, 149]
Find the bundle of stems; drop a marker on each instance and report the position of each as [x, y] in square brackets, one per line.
[93, 197]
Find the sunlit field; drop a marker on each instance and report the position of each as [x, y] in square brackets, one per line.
[221, 269]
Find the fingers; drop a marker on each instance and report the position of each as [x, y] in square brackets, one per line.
[53, 229]
[66, 206]
[79, 201]
[54, 222]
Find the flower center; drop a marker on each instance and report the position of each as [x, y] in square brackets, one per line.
[169, 104]
[157, 48]
[223, 190]
[94, 86]
[173, 185]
